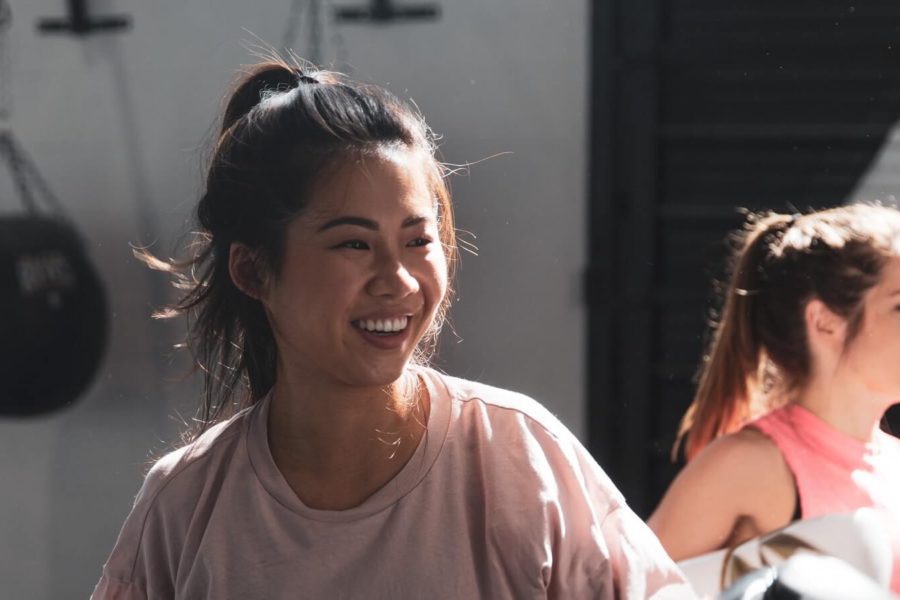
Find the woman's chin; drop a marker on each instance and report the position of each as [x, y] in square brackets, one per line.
[379, 375]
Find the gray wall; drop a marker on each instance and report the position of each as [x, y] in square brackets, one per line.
[881, 181]
[117, 123]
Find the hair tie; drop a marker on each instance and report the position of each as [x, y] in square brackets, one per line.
[303, 78]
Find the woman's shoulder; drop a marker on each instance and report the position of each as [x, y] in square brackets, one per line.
[750, 447]
[168, 499]
[180, 474]
[738, 478]
[500, 404]
[745, 466]
[508, 420]
[545, 491]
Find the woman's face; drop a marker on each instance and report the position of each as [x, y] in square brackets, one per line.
[363, 273]
[874, 354]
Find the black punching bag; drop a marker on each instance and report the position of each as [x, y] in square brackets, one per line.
[53, 322]
[52, 306]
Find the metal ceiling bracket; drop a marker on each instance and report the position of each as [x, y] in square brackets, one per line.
[80, 22]
[386, 11]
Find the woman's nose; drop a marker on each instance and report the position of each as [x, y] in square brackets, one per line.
[392, 278]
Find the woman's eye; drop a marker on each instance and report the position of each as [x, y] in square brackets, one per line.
[354, 245]
[419, 242]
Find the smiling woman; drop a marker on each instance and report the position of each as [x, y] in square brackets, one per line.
[364, 256]
[800, 372]
[330, 461]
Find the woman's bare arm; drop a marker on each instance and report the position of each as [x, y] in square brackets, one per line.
[736, 488]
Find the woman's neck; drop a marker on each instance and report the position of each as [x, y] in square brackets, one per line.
[336, 445]
[843, 405]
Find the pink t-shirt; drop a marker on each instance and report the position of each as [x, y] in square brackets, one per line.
[499, 500]
[836, 473]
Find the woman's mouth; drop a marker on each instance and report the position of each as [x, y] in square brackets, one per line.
[383, 327]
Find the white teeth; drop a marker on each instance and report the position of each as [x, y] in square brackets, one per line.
[383, 325]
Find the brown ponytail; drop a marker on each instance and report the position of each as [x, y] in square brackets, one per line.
[728, 379]
[758, 352]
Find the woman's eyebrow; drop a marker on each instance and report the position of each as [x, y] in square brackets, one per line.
[368, 223]
[413, 221]
[348, 220]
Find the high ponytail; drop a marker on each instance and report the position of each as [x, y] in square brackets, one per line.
[730, 375]
[254, 85]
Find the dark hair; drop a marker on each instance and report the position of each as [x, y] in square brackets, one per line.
[282, 130]
[759, 345]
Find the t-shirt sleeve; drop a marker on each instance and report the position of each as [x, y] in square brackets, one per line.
[141, 564]
[110, 588]
[604, 550]
[640, 566]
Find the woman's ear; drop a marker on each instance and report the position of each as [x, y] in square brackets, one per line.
[824, 328]
[244, 270]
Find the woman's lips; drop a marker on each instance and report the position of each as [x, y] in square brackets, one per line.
[384, 325]
[386, 333]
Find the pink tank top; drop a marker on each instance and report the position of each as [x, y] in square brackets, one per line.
[835, 472]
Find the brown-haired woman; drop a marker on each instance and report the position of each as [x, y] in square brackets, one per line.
[334, 463]
[803, 365]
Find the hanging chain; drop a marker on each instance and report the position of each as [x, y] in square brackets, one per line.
[25, 171]
[5, 99]
[17, 171]
[315, 33]
[313, 45]
[292, 24]
[342, 57]
[27, 179]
